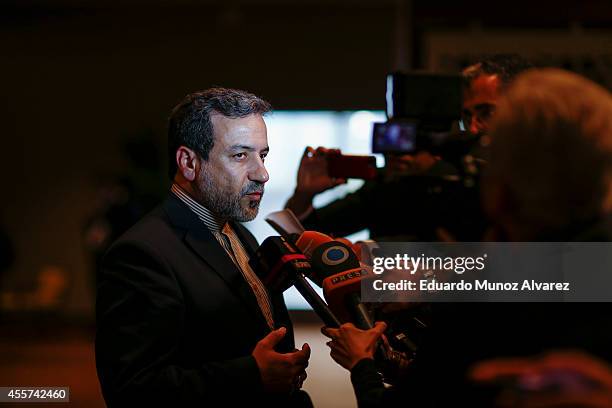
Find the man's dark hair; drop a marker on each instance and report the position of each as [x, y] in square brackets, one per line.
[190, 122]
[506, 66]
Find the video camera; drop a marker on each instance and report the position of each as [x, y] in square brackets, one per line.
[423, 111]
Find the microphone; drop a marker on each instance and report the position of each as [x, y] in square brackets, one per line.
[309, 240]
[280, 265]
[336, 268]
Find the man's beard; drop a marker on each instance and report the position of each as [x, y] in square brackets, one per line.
[227, 205]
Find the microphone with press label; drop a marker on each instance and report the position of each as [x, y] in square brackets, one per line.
[336, 268]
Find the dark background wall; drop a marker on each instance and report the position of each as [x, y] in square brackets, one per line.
[77, 77]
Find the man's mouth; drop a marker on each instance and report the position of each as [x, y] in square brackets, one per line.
[255, 195]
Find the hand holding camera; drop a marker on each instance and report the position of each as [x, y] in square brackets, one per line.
[313, 174]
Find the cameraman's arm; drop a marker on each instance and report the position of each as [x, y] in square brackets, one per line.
[345, 216]
[368, 384]
[372, 393]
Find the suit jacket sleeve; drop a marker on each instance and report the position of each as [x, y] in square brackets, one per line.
[372, 393]
[344, 216]
[140, 314]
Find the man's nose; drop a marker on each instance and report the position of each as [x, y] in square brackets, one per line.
[259, 173]
[476, 127]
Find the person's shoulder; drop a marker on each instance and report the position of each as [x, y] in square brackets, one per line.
[153, 232]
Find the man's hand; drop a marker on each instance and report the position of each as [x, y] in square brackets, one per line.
[312, 179]
[280, 372]
[349, 344]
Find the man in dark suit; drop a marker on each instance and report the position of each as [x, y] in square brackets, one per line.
[182, 319]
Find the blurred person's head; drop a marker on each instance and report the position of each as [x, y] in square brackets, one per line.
[483, 84]
[217, 143]
[550, 169]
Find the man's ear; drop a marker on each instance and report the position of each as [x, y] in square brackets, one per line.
[188, 163]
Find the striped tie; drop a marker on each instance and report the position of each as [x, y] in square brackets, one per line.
[241, 259]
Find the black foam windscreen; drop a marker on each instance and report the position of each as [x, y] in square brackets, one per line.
[276, 261]
[280, 264]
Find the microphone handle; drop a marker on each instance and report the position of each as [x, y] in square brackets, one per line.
[363, 320]
[314, 300]
[361, 315]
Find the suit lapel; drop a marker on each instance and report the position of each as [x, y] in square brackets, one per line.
[199, 238]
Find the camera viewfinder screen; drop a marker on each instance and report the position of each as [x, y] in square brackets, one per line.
[394, 137]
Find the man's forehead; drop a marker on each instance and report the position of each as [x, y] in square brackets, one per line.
[248, 130]
[221, 121]
[485, 84]
[483, 88]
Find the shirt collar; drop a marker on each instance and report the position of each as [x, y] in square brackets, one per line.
[211, 220]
